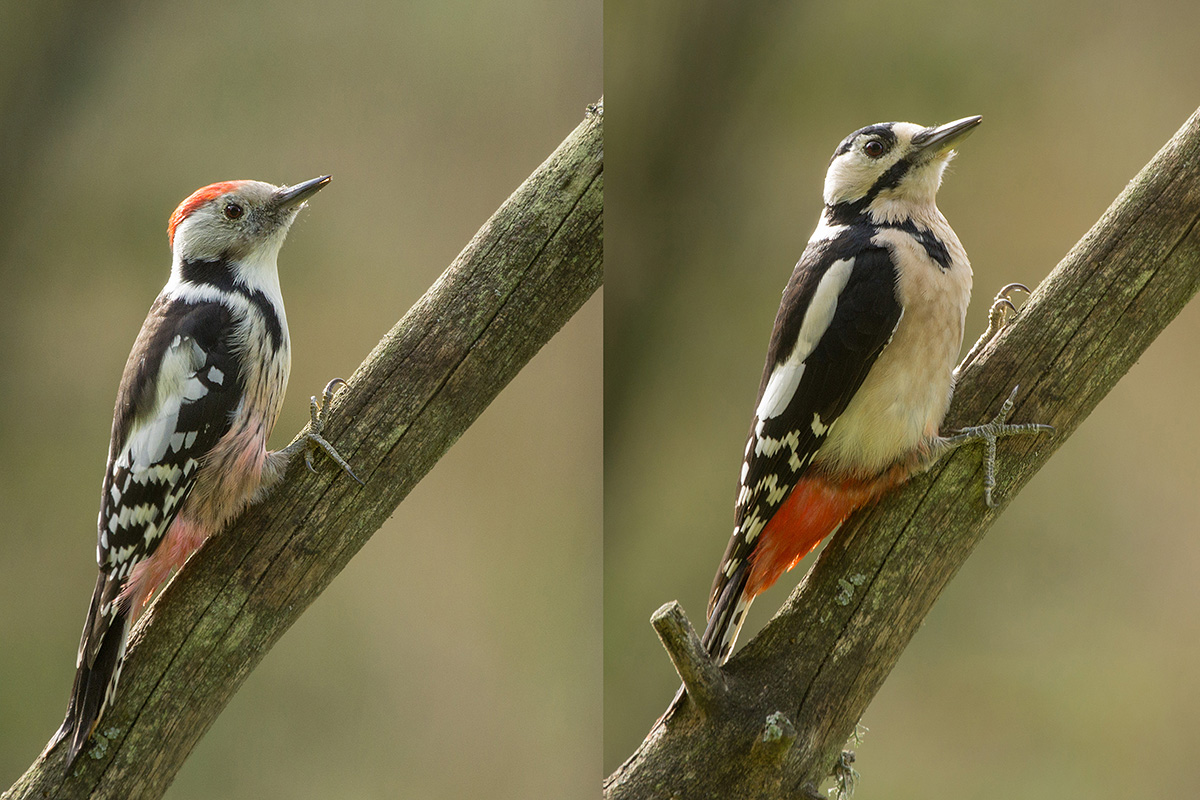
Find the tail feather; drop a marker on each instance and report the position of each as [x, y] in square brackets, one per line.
[727, 614]
[814, 509]
[724, 622]
[101, 655]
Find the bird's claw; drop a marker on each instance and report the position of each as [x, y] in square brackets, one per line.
[314, 440]
[1002, 312]
[1002, 306]
[989, 432]
[1009, 289]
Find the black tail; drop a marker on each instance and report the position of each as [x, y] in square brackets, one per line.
[726, 614]
[101, 654]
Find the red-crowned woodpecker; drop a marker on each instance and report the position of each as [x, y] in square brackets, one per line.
[861, 363]
[200, 394]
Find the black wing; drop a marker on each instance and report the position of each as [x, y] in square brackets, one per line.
[177, 397]
[839, 311]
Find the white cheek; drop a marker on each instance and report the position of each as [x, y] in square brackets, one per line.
[841, 180]
[852, 175]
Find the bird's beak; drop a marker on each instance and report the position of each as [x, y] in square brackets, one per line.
[293, 196]
[934, 142]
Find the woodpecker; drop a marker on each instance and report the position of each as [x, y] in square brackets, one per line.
[861, 363]
[200, 394]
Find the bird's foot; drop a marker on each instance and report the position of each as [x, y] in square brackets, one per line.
[313, 440]
[989, 433]
[1000, 315]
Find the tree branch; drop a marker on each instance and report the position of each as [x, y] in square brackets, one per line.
[704, 680]
[518, 281]
[826, 653]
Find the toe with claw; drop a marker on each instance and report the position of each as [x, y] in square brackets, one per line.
[314, 439]
[989, 433]
[1002, 312]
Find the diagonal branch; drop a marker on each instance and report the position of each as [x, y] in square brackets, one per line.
[819, 662]
[522, 276]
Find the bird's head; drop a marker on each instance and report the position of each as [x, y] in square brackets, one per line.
[237, 221]
[888, 170]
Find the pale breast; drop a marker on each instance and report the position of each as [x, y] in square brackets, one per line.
[906, 393]
[232, 470]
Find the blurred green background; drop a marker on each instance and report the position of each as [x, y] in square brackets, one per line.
[459, 654]
[1064, 660]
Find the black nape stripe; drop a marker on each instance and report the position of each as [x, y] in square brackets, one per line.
[848, 213]
[860, 229]
[219, 274]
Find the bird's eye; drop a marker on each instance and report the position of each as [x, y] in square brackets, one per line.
[874, 148]
[233, 210]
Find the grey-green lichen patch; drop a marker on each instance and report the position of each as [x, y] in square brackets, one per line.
[846, 593]
[99, 748]
[775, 740]
[847, 588]
[778, 728]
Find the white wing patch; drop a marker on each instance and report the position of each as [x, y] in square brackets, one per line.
[781, 386]
[154, 433]
[781, 389]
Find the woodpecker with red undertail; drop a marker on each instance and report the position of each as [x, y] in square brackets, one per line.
[200, 394]
[861, 363]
